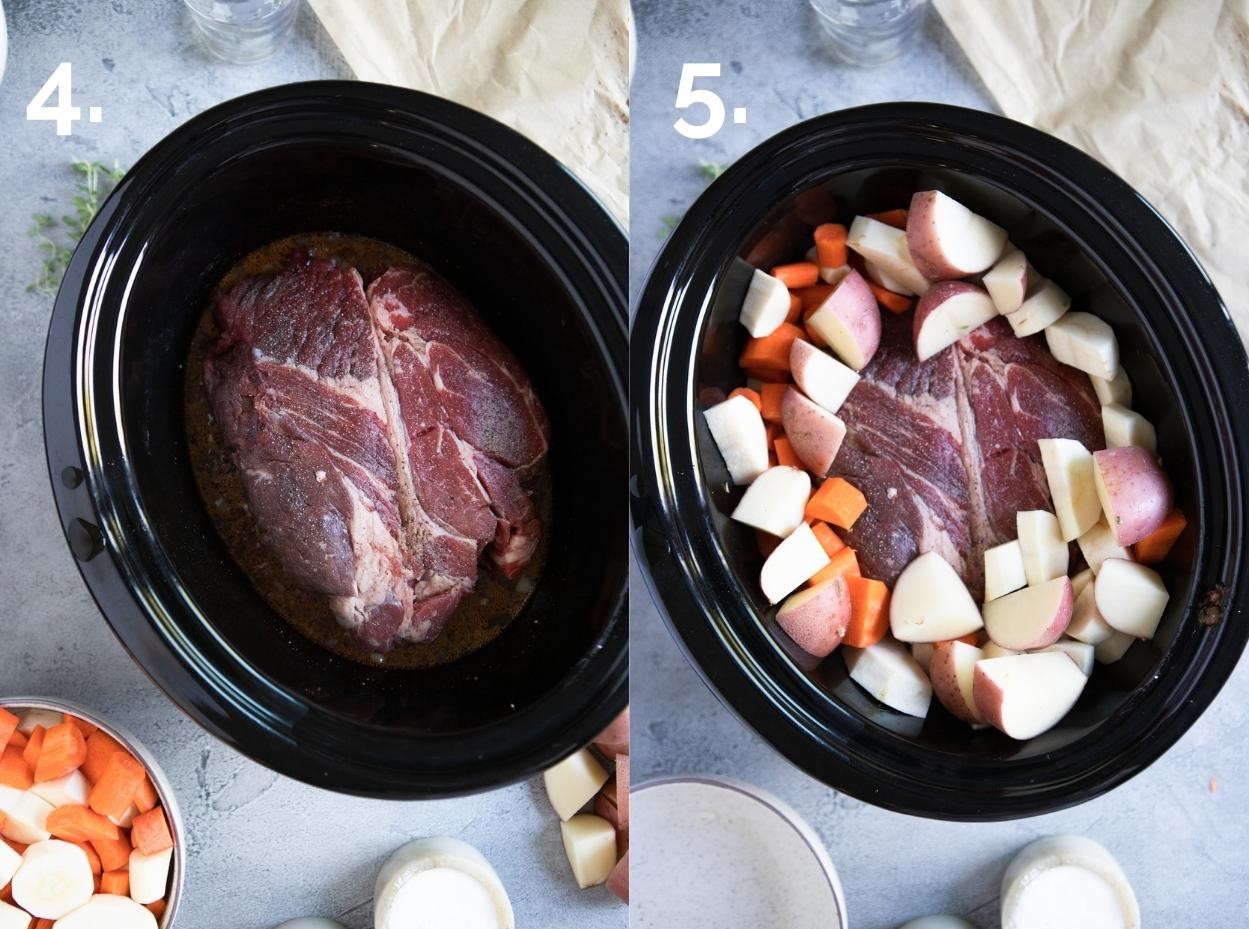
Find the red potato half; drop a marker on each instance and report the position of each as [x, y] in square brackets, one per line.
[1134, 491]
[849, 321]
[799, 556]
[1025, 695]
[820, 376]
[946, 313]
[1130, 597]
[814, 433]
[1007, 281]
[775, 501]
[618, 880]
[885, 247]
[930, 603]
[947, 240]
[816, 618]
[953, 672]
[1030, 618]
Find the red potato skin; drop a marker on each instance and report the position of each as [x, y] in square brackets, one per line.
[604, 807]
[1139, 490]
[988, 697]
[855, 305]
[945, 683]
[618, 880]
[934, 297]
[614, 740]
[921, 239]
[622, 789]
[814, 433]
[1053, 630]
[818, 622]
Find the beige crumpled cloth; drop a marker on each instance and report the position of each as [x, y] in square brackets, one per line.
[556, 70]
[1156, 89]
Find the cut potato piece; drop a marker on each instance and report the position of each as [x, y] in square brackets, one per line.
[1087, 623]
[54, 880]
[930, 603]
[775, 500]
[953, 671]
[1113, 648]
[1127, 427]
[1003, 570]
[922, 653]
[1041, 542]
[29, 719]
[70, 790]
[820, 376]
[1081, 580]
[10, 861]
[799, 556]
[1134, 492]
[1030, 618]
[741, 436]
[1025, 695]
[1067, 881]
[26, 816]
[877, 275]
[946, 313]
[885, 247]
[1041, 308]
[887, 671]
[1116, 390]
[590, 844]
[816, 618]
[947, 240]
[814, 433]
[13, 918]
[1079, 652]
[149, 875]
[849, 321]
[109, 911]
[993, 650]
[1007, 281]
[834, 276]
[1130, 597]
[1098, 544]
[1069, 473]
[765, 306]
[573, 782]
[1085, 341]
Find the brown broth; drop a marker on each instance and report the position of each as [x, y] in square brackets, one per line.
[480, 617]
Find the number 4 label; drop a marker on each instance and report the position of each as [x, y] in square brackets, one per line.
[64, 114]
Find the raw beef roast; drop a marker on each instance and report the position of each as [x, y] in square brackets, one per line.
[382, 439]
[946, 450]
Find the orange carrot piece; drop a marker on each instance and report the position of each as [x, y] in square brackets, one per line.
[830, 245]
[751, 395]
[838, 502]
[18, 740]
[795, 309]
[771, 396]
[149, 832]
[869, 613]
[146, 798]
[115, 882]
[6, 893]
[115, 790]
[16, 846]
[811, 297]
[8, 726]
[771, 352]
[4, 819]
[100, 748]
[84, 727]
[157, 908]
[773, 432]
[34, 747]
[894, 303]
[785, 453]
[798, 274]
[64, 750]
[844, 562]
[1157, 545]
[895, 218]
[79, 824]
[829, 540]
[114, 853]
[14, 771]
[43, 924]
[766, 542]
[93, 860]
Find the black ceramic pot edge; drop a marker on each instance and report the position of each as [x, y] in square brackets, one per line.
[96, 528]
[677, 542]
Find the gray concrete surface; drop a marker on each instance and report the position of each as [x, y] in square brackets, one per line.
[1179, 829]
[262, 848]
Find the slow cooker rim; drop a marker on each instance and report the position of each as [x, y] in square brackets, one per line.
[664, 299]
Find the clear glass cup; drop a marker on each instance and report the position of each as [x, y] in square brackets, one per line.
[243, 31]
[870, 32]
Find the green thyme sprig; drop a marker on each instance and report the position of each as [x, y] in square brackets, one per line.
[55, 239]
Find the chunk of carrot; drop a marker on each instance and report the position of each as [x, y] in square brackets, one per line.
[894, 303]
[1157, 545]
[115, 790]
[64, 751]
[158, 908]
[771, 395]
[14, 771]
[100, 748]
[830, 245]
[86, 728]
[795, 309]
[785, 453]
[149, 832]
[114, 853]
[838, 502]
[869, 613]
[4, 820]
[798, 274]
[79, 824]
[751, 395]
[829, 540]
[18, 740]
[34, 747]
[115, 882]
[8, 726]
[93, 860]
[844, 563]
[811, 297]
[44, 924]
[771, 352]
[772, 431]
[146, 797]
[895, 218]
